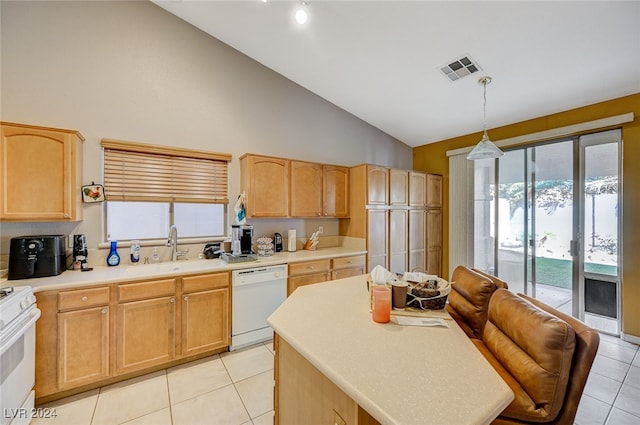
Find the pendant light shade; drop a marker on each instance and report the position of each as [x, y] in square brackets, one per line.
[485, 149]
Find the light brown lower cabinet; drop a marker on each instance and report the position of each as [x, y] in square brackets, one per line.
[205, 299]
[145, 334]
[83, 346]
[90, 337]
[308, 273]
[317, 271]
[302, 392]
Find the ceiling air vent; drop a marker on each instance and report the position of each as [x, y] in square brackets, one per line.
[459, 68]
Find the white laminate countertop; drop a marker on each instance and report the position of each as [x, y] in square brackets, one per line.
[399, 374]
[127, 272]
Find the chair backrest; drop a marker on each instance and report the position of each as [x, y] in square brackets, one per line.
[469, 300]
[587, 342]
[499, 282]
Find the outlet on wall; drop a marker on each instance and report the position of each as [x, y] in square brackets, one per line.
[320, 230]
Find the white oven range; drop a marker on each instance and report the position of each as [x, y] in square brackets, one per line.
[18, 315]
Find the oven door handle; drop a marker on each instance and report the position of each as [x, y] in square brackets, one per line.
[16, 332]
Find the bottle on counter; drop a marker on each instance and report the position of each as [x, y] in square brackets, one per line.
[155, 257]
[113, 259]
[134, 254]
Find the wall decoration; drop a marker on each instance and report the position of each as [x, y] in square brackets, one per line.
[93, 193]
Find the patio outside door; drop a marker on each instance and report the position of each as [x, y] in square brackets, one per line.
[556, 225]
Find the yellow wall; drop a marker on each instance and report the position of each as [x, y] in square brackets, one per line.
[433, 158]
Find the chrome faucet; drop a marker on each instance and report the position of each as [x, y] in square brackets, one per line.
[172, 241]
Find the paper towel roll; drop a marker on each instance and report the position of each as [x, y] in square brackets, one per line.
[291, 240]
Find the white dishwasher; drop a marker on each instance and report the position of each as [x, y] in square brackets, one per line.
[255, 293]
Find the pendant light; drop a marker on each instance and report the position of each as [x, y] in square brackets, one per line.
[485, 149]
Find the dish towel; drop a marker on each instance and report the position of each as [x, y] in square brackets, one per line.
[240, 210]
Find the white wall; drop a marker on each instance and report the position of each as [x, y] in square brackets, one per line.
[132, 71]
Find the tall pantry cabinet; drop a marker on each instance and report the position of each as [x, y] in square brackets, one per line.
[399, 214]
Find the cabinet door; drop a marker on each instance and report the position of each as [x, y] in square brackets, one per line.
[83, 347]
[267, 186]
[434, 242]
[377, 185]
[434, 191]
[335, 191]
[377, 232]
[145, 334]
[306, 279]
[398, 187]
[205, 321]
[306, 189]
[417, 240]
[40, 174]
[398, 241]
[417, 189]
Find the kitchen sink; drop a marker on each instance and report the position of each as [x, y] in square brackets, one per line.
[168, 267]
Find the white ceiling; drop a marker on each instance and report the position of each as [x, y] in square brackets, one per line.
[380, 60]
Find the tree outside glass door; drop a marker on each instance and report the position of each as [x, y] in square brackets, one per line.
[550, 215]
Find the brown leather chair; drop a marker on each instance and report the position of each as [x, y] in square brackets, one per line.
[586, 347]
[469, 298]
[542, 354]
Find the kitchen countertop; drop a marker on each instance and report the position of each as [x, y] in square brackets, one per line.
[127, 272]
[398, 374]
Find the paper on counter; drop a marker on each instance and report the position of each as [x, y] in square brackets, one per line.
[418, 321]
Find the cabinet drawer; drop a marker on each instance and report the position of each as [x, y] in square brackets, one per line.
[307, 279]
[342, 273]
[83, 298]
[309, 267]
[345, 262]
[152, 289]
[205, 282]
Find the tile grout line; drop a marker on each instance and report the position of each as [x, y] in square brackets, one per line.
[166, 375]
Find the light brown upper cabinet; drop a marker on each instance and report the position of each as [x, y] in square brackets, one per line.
[280, 188]
[417, 189]
[335, 191]
[434, 191]
[40, 173]
[377, 185]
[306, 189]
[398, 187]
[265, 181]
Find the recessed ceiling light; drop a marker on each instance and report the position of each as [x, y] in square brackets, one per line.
[459, 68]
[301, 13]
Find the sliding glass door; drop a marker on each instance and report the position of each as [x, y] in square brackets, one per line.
[550, 215]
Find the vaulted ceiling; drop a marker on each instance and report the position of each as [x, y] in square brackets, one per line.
[382, 60]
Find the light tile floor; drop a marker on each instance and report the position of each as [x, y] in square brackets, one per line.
[233, 388]
[237, 389]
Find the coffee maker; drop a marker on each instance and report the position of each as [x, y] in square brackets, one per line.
[246, 239]
[80, 252]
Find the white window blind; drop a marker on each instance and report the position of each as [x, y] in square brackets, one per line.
[139, 172]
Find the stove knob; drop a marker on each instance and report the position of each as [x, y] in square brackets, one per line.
[24, 304]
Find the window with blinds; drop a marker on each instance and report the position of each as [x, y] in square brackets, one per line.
[135, 172]
[148, 188]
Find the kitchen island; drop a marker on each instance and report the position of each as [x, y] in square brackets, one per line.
[333, 363]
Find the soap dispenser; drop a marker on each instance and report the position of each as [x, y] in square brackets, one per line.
[113, 259]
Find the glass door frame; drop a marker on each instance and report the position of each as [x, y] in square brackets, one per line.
[579, 232]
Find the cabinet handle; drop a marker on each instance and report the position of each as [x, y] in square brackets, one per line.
[310, 267]
[104, 311]
[65, 215]
[186, 298]
[84, 299]
[172, 299]
[349, 262]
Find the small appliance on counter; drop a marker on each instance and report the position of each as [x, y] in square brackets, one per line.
[212, 250]
[277, 242]
[36, 256]
[80, 252]
[246, 239]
